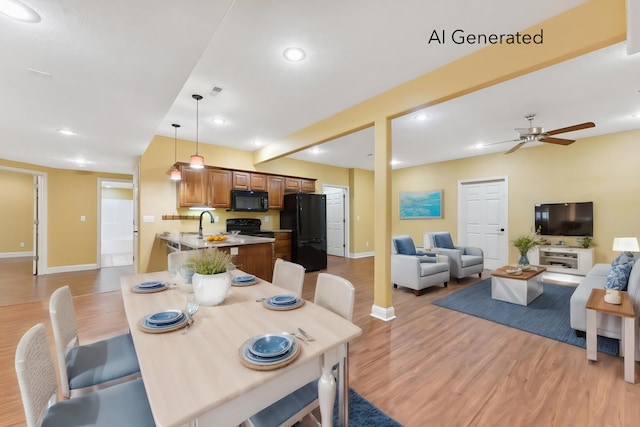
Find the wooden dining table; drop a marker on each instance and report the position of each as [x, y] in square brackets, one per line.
[195, 376]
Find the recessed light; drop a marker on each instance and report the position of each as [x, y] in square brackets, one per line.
[421, 117]
[66, 131]
[218, 121]
[316, 150]
[257, 143]
[19, 11]
[636, 115]
[294, 54]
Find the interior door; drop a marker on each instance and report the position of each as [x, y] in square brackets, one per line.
[335, 221]
[483, 219]
[37, 182]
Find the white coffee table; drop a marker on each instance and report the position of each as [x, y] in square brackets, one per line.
[517, 288]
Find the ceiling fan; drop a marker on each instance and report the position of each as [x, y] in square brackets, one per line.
[532, 133]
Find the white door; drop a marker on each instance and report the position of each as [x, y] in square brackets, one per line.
[37, 183]
[335, 221]
[483, 219]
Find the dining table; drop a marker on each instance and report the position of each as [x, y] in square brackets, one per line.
[196, 375]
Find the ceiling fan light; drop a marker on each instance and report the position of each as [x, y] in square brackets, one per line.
[197, 161]
[175, 174]
[19, 11]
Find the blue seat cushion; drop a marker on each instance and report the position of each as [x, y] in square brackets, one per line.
[123, 405]
[405, 246]
[286, 407]
[443, 241]
[618, 276]
[102, 361]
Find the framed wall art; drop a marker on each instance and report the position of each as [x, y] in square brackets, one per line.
[421, 204]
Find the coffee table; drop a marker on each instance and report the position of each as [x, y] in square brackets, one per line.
[517, 288]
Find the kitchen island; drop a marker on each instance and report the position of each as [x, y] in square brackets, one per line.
[253, 255]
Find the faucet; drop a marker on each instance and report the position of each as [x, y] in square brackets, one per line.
[200, 235]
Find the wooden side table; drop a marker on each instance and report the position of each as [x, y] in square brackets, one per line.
[596, 304]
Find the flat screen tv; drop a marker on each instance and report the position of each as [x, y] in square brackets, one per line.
[564, 219]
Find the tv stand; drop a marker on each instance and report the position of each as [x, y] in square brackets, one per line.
[563, 259]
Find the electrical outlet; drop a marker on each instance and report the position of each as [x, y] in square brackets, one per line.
[83, 218]
[22, 244]
[266, 218]
[216, 218]
[367, 244]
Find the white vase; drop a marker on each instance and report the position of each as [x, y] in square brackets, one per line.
[211, 289]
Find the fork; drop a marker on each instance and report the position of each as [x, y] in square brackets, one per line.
[305, 335]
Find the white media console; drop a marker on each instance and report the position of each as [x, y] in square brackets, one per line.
[563, 259]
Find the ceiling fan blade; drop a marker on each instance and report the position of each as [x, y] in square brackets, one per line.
[571, 128]
[501, 142]
[516, 147]
[560, 141]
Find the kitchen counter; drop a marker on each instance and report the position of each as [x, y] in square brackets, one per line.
[187, 241]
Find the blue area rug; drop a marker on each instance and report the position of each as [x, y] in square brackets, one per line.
[363, 413]
[547, 315]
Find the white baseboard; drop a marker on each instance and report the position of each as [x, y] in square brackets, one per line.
[16, 254]
[68, 268]
[383, 313]
[357, 255]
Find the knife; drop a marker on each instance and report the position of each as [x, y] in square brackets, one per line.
[304, 334]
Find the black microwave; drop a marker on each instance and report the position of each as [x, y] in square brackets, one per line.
[249, 201]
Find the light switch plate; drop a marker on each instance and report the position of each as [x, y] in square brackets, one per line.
[148, 218]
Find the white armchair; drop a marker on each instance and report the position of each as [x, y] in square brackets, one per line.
[463, 260]
[416, 270]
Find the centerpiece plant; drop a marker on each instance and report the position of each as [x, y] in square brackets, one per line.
[211, 283]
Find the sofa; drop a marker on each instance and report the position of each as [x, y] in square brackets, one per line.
[607, 325]
[416, 270]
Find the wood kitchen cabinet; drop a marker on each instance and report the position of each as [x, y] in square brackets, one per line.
[308, 185]
[249, 181]
[275, 187]
[282, 245]
[292, 184]
[204, 187]
[193, 188]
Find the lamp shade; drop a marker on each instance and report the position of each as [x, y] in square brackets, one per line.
[175, 174]
[625, 244]
[197, 161]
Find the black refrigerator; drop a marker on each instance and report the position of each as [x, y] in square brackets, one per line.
[306, 216]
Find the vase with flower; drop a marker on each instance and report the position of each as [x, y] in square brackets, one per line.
[524, 243]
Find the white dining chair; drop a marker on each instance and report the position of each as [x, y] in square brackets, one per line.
[122, 405]
[85, 368]
[288, 275]
[337, 295]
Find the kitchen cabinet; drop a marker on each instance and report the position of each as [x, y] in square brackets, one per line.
[292, 184]
[282, 245]
[308, 185]
[249, 181]
[275, 187]
[220, 188]
[193, 189]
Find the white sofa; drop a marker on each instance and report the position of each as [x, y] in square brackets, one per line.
[607, 325]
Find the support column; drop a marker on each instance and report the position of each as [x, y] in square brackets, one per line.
[382, 303]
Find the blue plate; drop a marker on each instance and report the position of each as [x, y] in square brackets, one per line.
[266, 361]
[270, 346]
[241, 279]
[165, 317]
[150, 285]
[172, 325]
[283, 299]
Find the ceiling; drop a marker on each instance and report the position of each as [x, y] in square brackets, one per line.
[117, 73]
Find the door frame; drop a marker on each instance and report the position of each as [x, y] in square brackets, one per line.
[505, 213]
[101, 182]
[39, 214]
[345, 189]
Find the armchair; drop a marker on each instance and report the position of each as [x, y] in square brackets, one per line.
[463, 260]
[416, 270]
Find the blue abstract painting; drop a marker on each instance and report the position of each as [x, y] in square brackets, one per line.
[420, 204]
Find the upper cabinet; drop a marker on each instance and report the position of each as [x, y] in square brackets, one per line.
[249, 181]
[211, 187]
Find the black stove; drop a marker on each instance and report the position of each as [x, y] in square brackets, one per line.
[248, 227]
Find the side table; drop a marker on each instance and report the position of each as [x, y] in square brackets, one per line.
[596, 304]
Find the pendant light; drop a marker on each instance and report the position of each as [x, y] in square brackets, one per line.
[176, 175]
[197, 161]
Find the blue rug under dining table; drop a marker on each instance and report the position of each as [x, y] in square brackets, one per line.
[547, 315]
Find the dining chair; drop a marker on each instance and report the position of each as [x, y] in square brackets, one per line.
[337, 295]
[84, 368]
[124, 404]
[288, 275]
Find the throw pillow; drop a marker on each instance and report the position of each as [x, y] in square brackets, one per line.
[427, 258]
[405, 246]
[618, 276]
[443, 241]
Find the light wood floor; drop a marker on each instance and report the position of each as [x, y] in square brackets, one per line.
[429, 367]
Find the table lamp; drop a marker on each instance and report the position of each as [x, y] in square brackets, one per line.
[626, 245]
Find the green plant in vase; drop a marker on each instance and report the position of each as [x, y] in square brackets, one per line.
[524, 243]
[209, 261]
[586, 242]
[211, 282]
